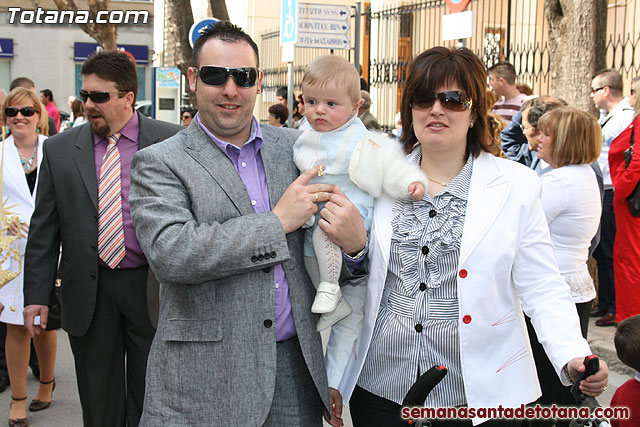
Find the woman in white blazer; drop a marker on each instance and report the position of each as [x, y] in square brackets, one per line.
[26, 121]
[450, 275]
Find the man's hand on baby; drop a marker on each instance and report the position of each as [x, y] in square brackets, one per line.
[416, 191]
[299, 201]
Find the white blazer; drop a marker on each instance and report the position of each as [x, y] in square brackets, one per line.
[18, 198]
[506, 264]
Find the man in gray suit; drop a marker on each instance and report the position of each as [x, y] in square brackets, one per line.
[82, 204]
[218, 209]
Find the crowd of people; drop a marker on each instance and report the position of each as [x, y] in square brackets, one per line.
[193, 266]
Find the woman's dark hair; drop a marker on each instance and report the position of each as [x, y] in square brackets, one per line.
[117, 67]
[441, 66]
[280, 112]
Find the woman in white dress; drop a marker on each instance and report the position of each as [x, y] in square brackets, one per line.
[568, 140]
[26, 122]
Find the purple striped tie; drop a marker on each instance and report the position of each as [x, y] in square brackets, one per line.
[110, 229]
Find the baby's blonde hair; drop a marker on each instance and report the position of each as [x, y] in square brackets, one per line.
[330, 68]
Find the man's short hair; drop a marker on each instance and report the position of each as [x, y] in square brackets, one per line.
[115, 67]
[330, 68]
[24, 82]
[612, 79]
[227, 32]
[504, 70]
[367, 99]
[283, 92]
[47, 94]
[627, 341]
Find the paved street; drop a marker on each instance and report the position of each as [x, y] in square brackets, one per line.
[65, 409]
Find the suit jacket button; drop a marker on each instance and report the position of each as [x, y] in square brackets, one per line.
[425, 250]
[95, 218]
[93, 248]
[418, 327]
[466, 319]
[266, 269]
[423, 286]
[273, 254]
[432, 213]
[254, 259]
[260, 257]
[266, 255]
[463, 273]
[267, 323]
[92, 275]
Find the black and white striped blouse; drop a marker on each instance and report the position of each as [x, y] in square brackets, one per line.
[417, 324]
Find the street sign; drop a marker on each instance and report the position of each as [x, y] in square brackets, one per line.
[324, 26]
[198, 27]
[289, 22]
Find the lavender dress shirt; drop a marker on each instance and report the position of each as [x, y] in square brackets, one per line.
[128, 146]
[248, 162]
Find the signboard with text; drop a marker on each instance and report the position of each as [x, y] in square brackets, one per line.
[324, 26]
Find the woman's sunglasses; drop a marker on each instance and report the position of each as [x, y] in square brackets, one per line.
[452, 100]
[25, 111]
[98, 97]
[218, 76]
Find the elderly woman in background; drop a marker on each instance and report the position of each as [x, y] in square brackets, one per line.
[451, 274]
[531, 111]
[26, 119]
[626, 247]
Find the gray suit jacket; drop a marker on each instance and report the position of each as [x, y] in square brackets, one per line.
[66, 213]
[214, 354]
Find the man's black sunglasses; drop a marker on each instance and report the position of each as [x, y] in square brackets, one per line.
[25, 111]
[218, 76]
[452, 100]
[99, 97]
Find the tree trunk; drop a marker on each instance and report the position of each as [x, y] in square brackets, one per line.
[105, 34]
[179, 21]
[219, 9]
[577, 30]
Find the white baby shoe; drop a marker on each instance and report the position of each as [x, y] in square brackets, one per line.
[327, 297]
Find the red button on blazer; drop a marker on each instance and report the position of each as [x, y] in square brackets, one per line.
[466, 319]
[463, 273]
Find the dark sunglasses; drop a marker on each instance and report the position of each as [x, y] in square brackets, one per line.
[452, 100]
[218, 76]
[25, 111]
[597, 89]
[98, 97]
